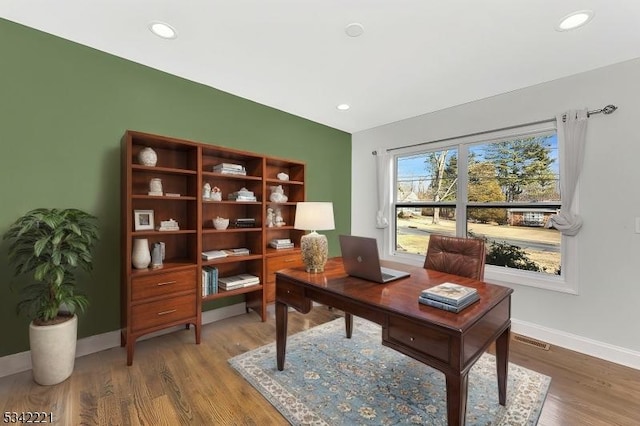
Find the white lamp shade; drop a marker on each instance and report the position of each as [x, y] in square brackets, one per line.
[314, 216]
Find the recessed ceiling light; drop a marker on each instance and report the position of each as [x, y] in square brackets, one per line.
[575, 20]
[354, 30]
[343, 107]
[163, 30]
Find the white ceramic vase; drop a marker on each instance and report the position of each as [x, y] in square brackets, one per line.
[147, 157]
[53, 351]
[155, 186]
[141, 255]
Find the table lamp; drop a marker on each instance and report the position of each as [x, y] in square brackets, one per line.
[314, 216]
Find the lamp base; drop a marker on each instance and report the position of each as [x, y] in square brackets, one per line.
[315, 250]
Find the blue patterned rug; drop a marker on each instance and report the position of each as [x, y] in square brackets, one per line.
[331, 380]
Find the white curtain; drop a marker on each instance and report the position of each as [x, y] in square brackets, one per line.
[383, 171]
[571, 138]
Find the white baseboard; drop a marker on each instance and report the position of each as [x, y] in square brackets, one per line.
[576, 343]
[16, 363]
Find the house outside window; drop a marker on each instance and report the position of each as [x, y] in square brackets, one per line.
[501, 188]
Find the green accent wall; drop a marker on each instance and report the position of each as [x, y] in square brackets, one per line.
[63, 110]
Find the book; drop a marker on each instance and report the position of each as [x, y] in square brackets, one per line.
[238, 252]
[450, 293]
[209, 280]
[238, 281]
[231, 166]
[446, 306]
[282, 246]
[213, 254]
[236, 286]
[244, 223]
[168, 225]
[281, 240]
[281, 243]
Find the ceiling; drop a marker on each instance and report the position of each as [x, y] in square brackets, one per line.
[414, 57]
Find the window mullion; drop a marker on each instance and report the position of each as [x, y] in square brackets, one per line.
[461, 196]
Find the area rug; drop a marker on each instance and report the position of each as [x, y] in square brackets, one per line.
[331, 380]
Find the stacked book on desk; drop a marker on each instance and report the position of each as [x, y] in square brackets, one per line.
[281, 243]
[449, 296]
[238, 281]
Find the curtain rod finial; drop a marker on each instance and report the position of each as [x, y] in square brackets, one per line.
[609, 109]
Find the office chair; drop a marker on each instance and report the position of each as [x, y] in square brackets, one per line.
[458, 256]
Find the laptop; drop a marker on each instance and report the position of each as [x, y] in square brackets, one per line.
[361, 259]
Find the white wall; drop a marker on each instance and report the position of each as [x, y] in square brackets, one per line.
[604, 318]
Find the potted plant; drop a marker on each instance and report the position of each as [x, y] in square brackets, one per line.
[47, 247]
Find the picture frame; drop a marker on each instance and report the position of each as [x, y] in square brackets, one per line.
[143, 220]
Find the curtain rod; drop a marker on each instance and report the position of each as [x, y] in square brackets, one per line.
[609, 109]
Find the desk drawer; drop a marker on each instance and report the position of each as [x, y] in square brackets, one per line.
[281, 262]
[292, 295]
[166, 311]
[408, 334]
[274, 264]
[162, 284]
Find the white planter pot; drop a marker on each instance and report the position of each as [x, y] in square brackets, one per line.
[53, 351]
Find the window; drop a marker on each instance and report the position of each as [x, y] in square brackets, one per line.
[499, 188]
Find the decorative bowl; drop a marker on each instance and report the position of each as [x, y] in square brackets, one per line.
[147, 157]
[221, 223]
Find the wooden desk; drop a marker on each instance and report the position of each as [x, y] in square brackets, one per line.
[449, 342]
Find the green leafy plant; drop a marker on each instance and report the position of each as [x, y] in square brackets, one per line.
[50, 245]
[512, 256]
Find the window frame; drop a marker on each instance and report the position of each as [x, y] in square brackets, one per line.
[567, 282]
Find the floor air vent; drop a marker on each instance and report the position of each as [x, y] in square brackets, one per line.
[531, 342]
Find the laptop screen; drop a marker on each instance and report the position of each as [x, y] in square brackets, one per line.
[361, 259]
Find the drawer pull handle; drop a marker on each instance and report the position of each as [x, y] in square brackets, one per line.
[166, 283]
[170, 311]
[412, 338]
[289, 260]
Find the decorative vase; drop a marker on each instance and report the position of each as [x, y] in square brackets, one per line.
[314, 248]
[140, 256]
[53, 351]
[147, 157]
[156, 256]
[155, 186]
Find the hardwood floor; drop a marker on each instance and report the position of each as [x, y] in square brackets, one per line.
[173, 381]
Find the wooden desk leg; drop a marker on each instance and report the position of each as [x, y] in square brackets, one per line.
[502, 364]
[457, 386]
[348, 324]
[282, 310]
[198, 333]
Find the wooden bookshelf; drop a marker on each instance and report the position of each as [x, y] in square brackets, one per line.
[154, 299]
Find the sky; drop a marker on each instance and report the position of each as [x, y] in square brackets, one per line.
[413, 166]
